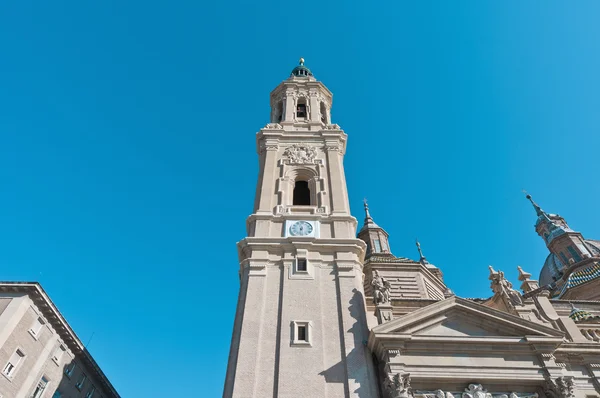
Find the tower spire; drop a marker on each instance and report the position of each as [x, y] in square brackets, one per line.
[538, 209]
[373, 235]
[369, 223]
[422, 258]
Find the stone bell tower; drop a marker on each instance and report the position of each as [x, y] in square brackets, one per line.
[300, 328]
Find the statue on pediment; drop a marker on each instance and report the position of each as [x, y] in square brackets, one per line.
[502, 286]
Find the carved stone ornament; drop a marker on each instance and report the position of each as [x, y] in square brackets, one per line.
[561, 387]
[473, 391]
[300, 154]
[268, 147]
[381, 289]
[332, 127]
[397, 385]
[502, 286]
[273, 126]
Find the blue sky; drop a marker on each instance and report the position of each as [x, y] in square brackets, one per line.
[128, 164]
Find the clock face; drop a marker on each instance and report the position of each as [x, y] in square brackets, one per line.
[301, 228]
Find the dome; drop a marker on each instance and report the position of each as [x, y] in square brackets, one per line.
[553, 266]
[301, 70]
[551, 270]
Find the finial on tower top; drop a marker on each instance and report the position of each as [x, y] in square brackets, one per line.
[367, 214]
[538, 209]
[301, 61]
[421, 256]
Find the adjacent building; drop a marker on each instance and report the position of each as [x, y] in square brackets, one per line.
[326, 312]
[40, 355]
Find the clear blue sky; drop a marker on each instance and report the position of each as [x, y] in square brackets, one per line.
[128, 164]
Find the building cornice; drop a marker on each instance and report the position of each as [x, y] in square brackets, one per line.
[41, 299]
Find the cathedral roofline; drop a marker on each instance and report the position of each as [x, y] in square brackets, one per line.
[41, 299]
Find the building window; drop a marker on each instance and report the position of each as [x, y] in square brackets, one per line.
[301, 265]
[39, 389]
[90, 392]
[574, 254]
[58, 353]
[81, 382]
[57, 394]
[301, 108]
[13, 363]
[301, 333]
[377, 245]
[564, 258]
[70, 369]
[301, 194]
[36, 328]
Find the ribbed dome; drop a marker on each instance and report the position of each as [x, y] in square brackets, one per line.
[301, 70]
[551, 270]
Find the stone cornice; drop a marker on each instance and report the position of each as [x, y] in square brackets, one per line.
[37, 294]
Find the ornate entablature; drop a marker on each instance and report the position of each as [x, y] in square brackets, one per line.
[473, 391]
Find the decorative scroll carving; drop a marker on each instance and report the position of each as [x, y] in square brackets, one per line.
[333, 148]
[332, 127]
[502, 286]
[268, 147]
[300, 154]
[381, 289]
[561, 387]
[397, 385]
[273, 126]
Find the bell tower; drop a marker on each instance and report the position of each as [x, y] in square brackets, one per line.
[300, 326]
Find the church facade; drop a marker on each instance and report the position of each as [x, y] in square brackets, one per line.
[326, 312]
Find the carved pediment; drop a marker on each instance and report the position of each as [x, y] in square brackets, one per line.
[456, 317]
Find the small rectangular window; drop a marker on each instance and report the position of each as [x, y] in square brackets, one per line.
[70, 369]
[13, 363]
[302, 265]
[81, 381]
[377, 245]
[302, 333]
[36, 328]
[58, 353]
[39, 389]
[90, 392]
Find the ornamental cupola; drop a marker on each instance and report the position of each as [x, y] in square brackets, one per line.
[573, 260]
[301, 102]
[374, 236]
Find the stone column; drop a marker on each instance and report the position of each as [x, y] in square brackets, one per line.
[337, 179]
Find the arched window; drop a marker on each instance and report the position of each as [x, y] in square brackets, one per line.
[301, 109]
[323, 113]
[301, 193]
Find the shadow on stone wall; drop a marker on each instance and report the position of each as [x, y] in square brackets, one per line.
[67, 386]
[358, 359]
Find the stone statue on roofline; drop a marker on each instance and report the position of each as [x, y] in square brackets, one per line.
[502, 286]
[381, 289]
